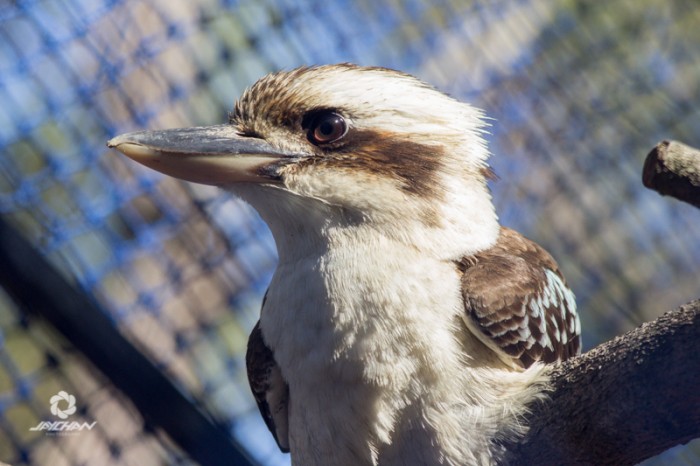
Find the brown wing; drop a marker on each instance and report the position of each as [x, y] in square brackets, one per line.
[269, 388]
[519, 303]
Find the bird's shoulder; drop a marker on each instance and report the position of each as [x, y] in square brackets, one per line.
[518, 303]
[269, 388]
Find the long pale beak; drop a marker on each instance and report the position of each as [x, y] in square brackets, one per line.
[214, 155]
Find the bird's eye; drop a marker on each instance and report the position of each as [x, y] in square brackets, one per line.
[327, 128]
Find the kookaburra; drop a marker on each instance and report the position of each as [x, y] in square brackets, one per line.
[403, 324]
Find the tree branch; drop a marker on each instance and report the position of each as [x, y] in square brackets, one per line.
[624, 401]
[636, 396]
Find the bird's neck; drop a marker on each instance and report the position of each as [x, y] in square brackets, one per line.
[460, 225]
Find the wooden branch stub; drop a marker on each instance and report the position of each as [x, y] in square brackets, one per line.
[673, 169]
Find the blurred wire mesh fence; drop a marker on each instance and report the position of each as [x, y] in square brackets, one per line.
[579, 92]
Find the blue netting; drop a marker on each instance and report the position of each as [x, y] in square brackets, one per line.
[579, 93]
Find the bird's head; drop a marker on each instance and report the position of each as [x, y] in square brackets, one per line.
[337, 145]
